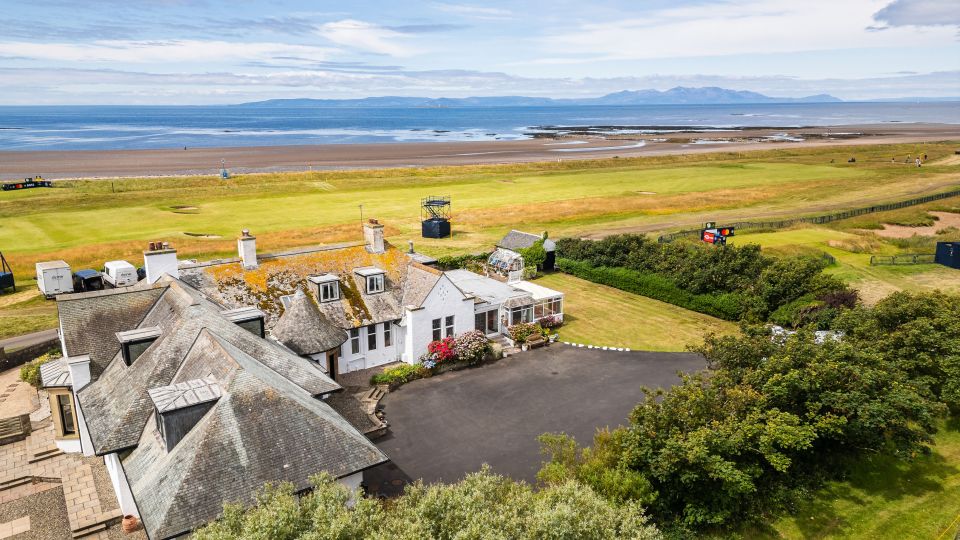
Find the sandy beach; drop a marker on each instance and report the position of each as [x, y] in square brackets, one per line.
[195, 161]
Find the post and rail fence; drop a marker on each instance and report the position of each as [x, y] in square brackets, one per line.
[821, 219]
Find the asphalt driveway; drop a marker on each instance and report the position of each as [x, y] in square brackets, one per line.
[446, 426]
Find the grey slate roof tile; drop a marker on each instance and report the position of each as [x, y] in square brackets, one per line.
[515, 240]
[305, 330]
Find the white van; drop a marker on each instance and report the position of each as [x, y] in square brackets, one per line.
[54, 277]
[119, 273]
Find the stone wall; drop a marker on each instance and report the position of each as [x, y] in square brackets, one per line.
[17, 357]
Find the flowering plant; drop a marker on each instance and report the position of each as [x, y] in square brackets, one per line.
[443, 350]
[550, 321]
[470, 347]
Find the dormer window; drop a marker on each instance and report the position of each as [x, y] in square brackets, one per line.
[376, 281]
[328, 287]
[133, 343]
[375, 284]
[178, 407]
[249, 318]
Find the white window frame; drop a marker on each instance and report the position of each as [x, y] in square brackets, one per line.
[375, 284]
[354, 341]
[387, 334]
[372, 337]
[437, 329]
[448, 325]
[329, 291]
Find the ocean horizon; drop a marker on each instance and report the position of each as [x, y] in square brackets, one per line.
[157, 127]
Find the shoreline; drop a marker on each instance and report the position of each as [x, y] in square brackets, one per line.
[106, 164]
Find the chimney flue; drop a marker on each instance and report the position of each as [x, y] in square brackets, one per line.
[411, 246]
[373, 235]
[247, 248]
[159, 260]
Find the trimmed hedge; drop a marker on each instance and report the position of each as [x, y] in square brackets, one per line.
[724, 306]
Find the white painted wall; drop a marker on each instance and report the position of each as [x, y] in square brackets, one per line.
[120, 486]
[352, 483]
[80, 376]
[247, 249]
[368, 358]
[445, 299]
[158, 263]
[69, 446]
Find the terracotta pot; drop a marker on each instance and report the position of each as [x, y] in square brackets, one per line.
[130, 524]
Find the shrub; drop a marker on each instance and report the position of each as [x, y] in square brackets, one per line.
[471, 347]
[30, 372]
[400, 374]
[521, 331]
[442, 351]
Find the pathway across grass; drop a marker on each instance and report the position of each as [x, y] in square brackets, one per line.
[604, 316]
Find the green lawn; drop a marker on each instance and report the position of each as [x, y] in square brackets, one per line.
[884, 499]
[604, 316]
[26, 311]
[87, 222]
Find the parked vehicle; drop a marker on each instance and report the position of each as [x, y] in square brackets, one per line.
[87, 280]
[53, 278]
[119, 273]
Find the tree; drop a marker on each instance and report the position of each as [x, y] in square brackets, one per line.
[482, 505]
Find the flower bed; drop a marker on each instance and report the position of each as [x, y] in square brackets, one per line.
[469, 348]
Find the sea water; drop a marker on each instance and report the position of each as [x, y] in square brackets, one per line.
[137, 127]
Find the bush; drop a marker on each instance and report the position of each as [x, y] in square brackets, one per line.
[451, 262]
[521, 331]
[439, 352]
[30, 372]
[471, 347]
[397, 375]
[482, 505]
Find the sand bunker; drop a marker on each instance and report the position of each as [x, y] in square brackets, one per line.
[945, 219]
[201, 235]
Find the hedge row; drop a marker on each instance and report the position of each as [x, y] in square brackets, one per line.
[724, 306]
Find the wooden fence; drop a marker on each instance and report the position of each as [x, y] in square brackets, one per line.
[883, 260]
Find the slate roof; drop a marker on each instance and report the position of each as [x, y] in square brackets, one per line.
[263, 428]
[421, 280]
[90, 321]
[282, 274]
[266, 422]
[515, 240]
[304, 329]
[116, 405]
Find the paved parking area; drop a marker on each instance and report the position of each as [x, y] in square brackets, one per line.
[449, 425]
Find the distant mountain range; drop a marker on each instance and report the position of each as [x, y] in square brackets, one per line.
[680, 95]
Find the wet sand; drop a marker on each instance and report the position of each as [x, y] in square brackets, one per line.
[192, 161]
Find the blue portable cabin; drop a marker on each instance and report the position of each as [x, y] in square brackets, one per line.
[948, 254]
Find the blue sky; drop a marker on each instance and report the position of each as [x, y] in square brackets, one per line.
[210, 51]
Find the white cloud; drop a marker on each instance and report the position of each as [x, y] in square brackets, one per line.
[366, 37]
[476, 12]
[738, 27]
[160, 52]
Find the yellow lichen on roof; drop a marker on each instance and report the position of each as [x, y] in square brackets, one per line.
[341, 261]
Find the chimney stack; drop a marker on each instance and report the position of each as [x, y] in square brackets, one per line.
[160, 259]
[411, 246]
[373, 235]
[247, 248]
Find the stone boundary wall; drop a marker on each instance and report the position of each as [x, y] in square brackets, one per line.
[18, 357]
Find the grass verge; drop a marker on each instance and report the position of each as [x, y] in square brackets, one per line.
[600, 315]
